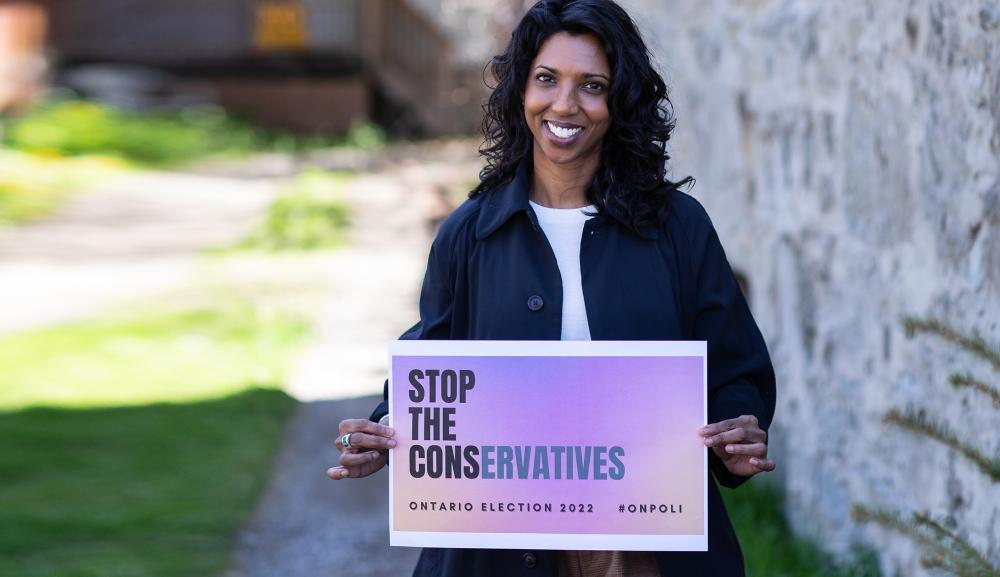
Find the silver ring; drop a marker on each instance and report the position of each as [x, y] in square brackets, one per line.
[345, 440]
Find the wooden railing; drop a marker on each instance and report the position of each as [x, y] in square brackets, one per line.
[409, 58]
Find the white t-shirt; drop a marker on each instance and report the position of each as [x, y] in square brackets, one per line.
[563, 228]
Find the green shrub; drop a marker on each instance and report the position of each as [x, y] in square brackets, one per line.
[81, 127]
[77, 127]
[771, 549]
[309, 214]
[364, 136]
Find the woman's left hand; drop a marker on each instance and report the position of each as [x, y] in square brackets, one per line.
[740, 443]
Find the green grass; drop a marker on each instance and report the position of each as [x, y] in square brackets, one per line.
[171, 355]
[59, 146]
[31, 185]
[138, 445]
[309, 214]
[82, 127]
[154, 490]
[79, 127]
[770, 549]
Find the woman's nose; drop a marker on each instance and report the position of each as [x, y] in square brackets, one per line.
[565, 102]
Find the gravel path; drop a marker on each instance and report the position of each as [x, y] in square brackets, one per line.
[135, 237]
[307, 525]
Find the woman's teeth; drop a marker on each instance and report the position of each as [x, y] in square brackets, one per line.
[563, 132]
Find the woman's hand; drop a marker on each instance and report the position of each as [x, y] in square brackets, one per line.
[740, 443]
[370, 443]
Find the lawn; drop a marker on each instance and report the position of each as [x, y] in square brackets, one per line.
[179, 355]
[138, 445]
[151, 490]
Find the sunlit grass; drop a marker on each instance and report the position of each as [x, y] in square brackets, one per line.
[31, 185]
[169, 355]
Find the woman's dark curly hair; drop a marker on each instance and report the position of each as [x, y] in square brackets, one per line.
[631, 182]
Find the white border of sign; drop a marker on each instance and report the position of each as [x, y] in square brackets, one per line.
[583, 542]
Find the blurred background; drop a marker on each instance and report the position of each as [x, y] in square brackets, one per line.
[215, 214]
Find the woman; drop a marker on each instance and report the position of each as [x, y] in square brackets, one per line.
[575, 232]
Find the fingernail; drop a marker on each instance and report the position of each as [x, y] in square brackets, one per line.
[391, 443]
[755, 462]
[708, 441]
[330, 472]
[729, 448]
[391, 431]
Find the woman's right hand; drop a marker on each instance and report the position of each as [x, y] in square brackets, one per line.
[370, 443]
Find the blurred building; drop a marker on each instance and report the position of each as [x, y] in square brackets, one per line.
[306, 65]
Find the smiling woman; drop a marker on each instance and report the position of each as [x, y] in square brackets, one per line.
[574, 232]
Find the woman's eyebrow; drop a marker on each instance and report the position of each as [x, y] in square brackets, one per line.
[585, 74]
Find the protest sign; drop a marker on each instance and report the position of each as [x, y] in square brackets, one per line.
[549, 445]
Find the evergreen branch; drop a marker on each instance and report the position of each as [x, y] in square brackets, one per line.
[959, 380]
[892, 521]
[972, 343]
[934, 562]
[918, 423]
[943, 549]
[980, 565]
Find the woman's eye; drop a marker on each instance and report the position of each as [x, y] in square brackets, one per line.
[595, 86]
[543, 77]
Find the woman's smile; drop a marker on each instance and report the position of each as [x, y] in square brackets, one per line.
[562, 134]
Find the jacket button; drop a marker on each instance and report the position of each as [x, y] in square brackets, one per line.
[535, 302]
[530, 561]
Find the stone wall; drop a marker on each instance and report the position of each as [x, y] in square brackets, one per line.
[849, 154]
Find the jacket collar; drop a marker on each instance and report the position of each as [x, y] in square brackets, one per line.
[503, 202]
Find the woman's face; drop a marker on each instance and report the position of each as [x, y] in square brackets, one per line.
[566, 98]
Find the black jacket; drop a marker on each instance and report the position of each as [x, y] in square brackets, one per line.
[490, 268]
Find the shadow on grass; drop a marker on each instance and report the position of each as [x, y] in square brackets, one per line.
[158, 489]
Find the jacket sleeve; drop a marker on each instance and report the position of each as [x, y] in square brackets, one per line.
[740, 375]
[436, 302]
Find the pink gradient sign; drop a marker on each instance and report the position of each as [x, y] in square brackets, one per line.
[548, 445]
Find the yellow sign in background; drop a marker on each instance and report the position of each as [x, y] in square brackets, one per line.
[280, 26]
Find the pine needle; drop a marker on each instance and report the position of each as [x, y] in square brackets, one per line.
[940, 432]
[966, 380]
[972, 343]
